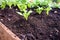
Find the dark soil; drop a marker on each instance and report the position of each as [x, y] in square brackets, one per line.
[37, 27]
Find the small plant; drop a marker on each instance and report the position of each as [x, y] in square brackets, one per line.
[39, 10]
[47, 10]
[25, 14]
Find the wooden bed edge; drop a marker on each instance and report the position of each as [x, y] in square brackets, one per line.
[6, 34]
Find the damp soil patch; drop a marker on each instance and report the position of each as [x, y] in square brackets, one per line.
[37, 27]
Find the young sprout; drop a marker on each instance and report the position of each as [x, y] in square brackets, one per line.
[25, 14]
[39, 10]
[47, 10]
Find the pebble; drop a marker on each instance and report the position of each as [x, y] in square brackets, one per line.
[1, 19]
[16, 9]
[9, 19]
[50, 35]
[55, 12]
[10, 15]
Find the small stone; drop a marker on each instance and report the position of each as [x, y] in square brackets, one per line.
[16, 9]
[10, 15]
[50, 35]
[56, 30]
[55, 12]
[9, 19]
[23, 35]
[1, 19]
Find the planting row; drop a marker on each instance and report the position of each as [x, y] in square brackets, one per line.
[33, 5]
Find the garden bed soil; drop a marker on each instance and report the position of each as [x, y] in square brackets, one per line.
[37, 27]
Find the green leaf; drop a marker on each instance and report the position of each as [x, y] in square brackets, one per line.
[32, 3]
[14, 2]
[18, 5]
[3, 4]
[22, 7]
[23, 1]
[19, 13]
[55, 5]
[0, 2]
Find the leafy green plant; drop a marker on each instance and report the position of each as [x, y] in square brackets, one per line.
[39, 10]
[47, 10]
[25, 14]
[2, 4]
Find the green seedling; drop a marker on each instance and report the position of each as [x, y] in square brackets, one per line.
[25, 14]
[39, 10]
[47, 10]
